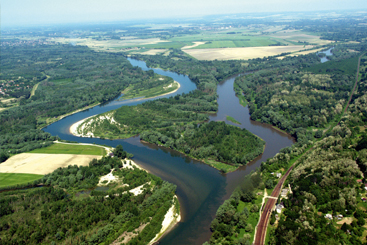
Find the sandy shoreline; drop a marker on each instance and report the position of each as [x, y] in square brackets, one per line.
[74, 127]
[169, 222]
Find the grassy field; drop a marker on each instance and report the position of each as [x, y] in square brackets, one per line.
[61, 81]
[248, 42]
[253, 219]
[8, 179]
[225, 168]
[71, 149]
[231, 119]
[348, 66]
[148, 93]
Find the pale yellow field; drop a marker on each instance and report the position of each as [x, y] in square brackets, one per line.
[193, 46]
[154, 51]
[296, 36]
[114, 45]
[35, 163]
[242, 53]
[306, 52]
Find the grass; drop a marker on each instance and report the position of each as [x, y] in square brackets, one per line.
[9, 179]
[58, 148]
[253, 219]
[226, 168]
[130, 93]
[248, 41]
[231, 119]
[239, 94]
[34, 89]
[347, 66]
[62, 81]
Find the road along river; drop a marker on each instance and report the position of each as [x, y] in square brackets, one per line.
[201, 189]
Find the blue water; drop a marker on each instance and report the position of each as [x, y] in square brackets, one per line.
[327, 53]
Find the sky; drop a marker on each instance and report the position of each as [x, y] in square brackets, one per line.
[45, 12]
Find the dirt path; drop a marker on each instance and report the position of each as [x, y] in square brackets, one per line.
[127, 236]
[355, 84]
[193, 46]
[34, 89]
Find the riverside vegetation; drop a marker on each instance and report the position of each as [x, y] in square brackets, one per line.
[69, 209]
[172, 122]
[233, 225]
[70, 78]
[324, 180]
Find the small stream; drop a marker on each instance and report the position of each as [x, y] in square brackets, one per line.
[201, 189]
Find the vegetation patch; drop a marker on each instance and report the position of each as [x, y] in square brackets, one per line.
[59, 148]
[231, 119]
[57, 215]
[215, 141]
[10, 179]
[154, 87]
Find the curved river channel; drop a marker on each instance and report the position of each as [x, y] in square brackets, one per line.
[201, 189]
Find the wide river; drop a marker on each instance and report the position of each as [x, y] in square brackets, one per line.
[201, 189]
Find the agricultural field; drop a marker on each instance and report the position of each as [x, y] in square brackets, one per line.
[76, 149]
[152, 41]
[8, 179]
[41, 163]
[242, 53]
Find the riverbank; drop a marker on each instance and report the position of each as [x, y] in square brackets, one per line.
[138, 98]
[50, 121]
[73, 129]
[172, 217]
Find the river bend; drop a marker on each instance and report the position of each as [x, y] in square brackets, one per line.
[201, 189]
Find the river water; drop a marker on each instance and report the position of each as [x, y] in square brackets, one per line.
[201, 189]
[327, 53]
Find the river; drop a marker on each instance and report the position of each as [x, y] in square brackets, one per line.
[201, 189]
[327, 53]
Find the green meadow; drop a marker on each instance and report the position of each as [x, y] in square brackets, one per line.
[59, 148]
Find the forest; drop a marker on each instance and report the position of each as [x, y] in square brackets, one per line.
[70, 209]
[330, 155]
[70, 78]
[210, 141]
[293, 97]
[163, 121]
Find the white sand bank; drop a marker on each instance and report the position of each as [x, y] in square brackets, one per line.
[170, 220]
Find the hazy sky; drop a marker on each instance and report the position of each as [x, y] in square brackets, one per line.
[30, 12]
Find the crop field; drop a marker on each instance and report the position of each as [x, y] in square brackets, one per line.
[37, 163]
[115, 45]
[249, 42]
[71, 149]
[242, 53]
[154, 51]
[298, 36]
[8, 179]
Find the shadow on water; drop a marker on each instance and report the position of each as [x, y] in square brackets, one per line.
[200, 188]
